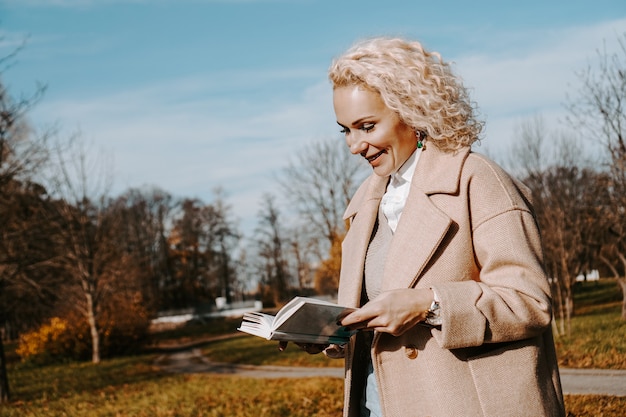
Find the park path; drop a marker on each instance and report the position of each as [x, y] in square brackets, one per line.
[189, 359]
[594, 381]
[192, 361]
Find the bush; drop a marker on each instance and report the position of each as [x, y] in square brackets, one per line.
[123, 329]
[46, 343]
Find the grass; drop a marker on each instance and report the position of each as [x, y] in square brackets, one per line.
[256, 351]
[589, 296]
[132, 386]
[197, 329]
[52, 382]
[104, 391]
[597, 341]
[598, 334]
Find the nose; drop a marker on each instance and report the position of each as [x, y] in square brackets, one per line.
[355, 144]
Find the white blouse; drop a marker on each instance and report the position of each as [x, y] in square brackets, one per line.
[398, 189]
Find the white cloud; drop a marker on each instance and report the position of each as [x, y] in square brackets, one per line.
[533, 76]
[187, 139]
[235, 130]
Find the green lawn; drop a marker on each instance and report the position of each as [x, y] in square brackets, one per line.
[132, 386]
[598, 335]
[256, 351]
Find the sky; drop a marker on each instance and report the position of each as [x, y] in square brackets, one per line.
[190, 95]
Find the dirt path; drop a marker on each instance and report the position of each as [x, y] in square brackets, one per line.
[594, 381]
[192, 361]
[189, 359]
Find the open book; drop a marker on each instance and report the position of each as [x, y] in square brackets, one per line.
[303, 320]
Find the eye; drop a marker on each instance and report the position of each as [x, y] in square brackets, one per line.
[366, 127]
[344, 130]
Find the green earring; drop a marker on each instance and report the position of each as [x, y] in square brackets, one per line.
[420, 141]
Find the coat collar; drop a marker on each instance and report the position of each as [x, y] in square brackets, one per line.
[420, 232]
[437, 172]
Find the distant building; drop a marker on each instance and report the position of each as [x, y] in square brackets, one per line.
[593, 275]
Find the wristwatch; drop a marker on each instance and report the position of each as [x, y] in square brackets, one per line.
[433, 316]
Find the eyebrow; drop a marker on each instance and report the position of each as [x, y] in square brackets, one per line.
[358, 121]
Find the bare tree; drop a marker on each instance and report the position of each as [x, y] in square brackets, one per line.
[28, 278]
[145, 214]
[599, 111]
[300, 251]
[565, 198]
[320, 182]
[271, 245]
[191, 256]
[22, 155]
[202, 245]
[530, 152]
[225, 237]
[87, 230]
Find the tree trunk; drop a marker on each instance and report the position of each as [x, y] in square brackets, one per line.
[560, 303]
[622, 284]
[620, 280]
[93, 327]
[4, 377]
[569, 304]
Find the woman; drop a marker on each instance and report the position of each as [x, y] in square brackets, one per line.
[442, 256]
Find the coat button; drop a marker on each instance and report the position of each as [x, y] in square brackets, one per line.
[410, 351]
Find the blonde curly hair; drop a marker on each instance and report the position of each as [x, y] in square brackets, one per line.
[417, 84]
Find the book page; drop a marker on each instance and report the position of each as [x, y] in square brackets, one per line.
[258, 324]
[288, 309]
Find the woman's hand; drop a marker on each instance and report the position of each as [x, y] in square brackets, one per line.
[334, 351]
[331, 351]
[392, 312]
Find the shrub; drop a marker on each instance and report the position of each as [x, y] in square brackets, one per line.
[122, 326]
[44, 344]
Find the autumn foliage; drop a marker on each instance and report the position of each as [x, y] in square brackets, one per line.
[123, 329]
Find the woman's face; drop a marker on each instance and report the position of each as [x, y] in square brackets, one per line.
[372, 129]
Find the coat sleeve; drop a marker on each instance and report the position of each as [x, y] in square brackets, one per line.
[510, 299]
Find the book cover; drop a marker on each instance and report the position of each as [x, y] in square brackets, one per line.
[303, 320]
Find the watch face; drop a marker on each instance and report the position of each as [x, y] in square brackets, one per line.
[433, 317]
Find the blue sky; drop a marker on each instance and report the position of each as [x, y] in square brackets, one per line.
[189, 95]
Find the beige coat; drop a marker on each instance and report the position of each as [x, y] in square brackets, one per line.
[467, 232]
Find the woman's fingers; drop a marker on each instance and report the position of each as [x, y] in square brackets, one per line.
[357, 319]
[391, 312]
[312, 348]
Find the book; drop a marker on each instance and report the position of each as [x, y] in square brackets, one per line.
[302, 320]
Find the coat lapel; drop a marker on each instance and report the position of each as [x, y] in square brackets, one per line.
[363, 209]
[420, 232]
[423, 225]
[414, 242]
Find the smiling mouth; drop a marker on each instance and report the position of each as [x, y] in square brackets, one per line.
[374, 157]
